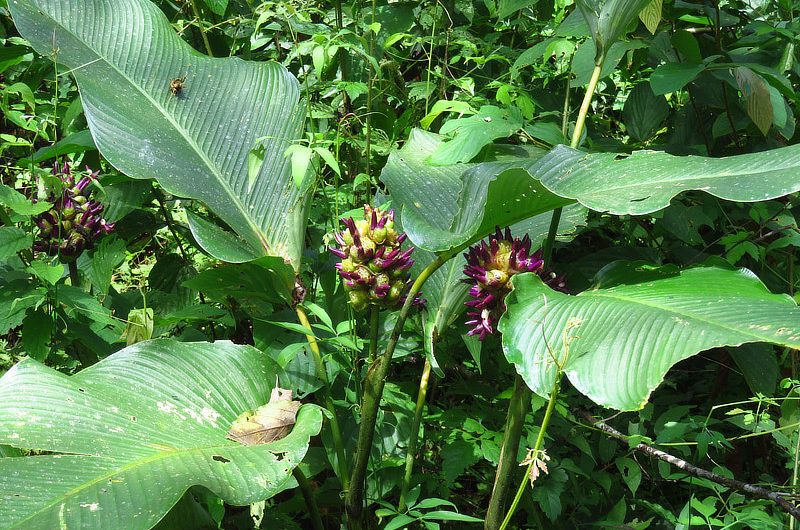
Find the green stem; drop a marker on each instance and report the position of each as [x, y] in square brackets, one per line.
[547, 251]
[308, 495]
[322, 374]
[370, 90]
[74, 276]
[374, 329]
[201, 28]
[794, 476]
[551, 405]
[414, 437]
[517, 410]
[585, 104]
[373, 389]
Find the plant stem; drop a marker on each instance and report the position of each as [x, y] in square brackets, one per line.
[517, 409]
[584, 110]
[322, 374]
[551, 405]
[411, 450]
[374, 328]
[308, 495]
[370, 91]
[201, 28]
[373, 389]
[547, 251]
[74, 276]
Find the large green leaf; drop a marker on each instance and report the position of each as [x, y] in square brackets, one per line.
[135, 431]
[444, 207]
[627, 333]
[124, 55]
[646, 181]
[448, 206]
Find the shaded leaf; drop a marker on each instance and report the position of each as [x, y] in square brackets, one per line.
[756, 96]
[644, 112]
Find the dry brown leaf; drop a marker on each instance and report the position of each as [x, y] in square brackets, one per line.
[267, 423]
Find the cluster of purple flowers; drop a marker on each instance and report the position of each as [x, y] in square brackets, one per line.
[374, 267]
[490, 266]
[74, 222]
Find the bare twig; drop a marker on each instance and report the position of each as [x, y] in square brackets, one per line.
[750, 490]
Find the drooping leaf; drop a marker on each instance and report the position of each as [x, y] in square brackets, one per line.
[136, 431]
[756, 96]
[644, 112]
[608, 20]
[267, 423]
[624, 336]
[139, 326]
[108, 255]
[646, 181]
[447, 206]
[195, 141]
[759, 366]
[651, 15]
[37, 329]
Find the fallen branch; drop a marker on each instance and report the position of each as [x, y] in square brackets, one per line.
[750, 490]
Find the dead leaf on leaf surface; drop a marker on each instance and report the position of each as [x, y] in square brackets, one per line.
[267, 423]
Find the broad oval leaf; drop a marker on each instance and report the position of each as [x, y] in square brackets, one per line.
[623, 338]
[195, 141]
[136, 430]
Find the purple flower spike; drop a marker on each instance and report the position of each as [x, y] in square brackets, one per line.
[374, 267]
[490, 266]
[74, 222]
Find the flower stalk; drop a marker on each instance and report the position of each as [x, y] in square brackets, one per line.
[373, 389]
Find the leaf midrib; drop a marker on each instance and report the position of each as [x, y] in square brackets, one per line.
[181, 130]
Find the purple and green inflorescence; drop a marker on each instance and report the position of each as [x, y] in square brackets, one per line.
[490, 266]
[74, 222]
[374, 267]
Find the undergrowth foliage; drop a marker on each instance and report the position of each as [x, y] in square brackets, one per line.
[511, 264]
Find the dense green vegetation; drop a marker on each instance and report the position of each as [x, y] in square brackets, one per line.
[511, 263]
